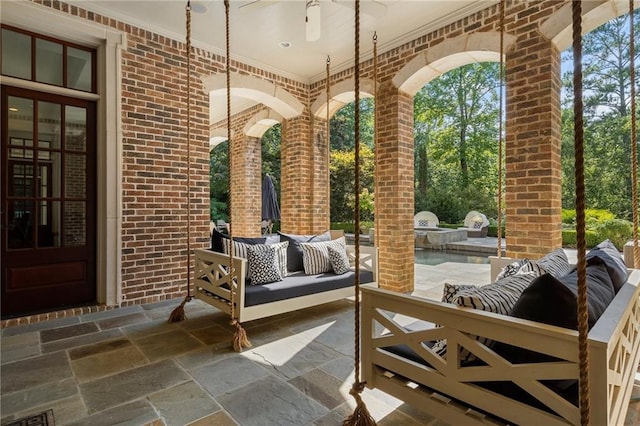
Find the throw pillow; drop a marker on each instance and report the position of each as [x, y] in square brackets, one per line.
[478, 224]
[607, 252]
[555, 263]
[339, 259]
[315, 256]
[511, 269]
[281, 256]
[294, 251]
[450, 291]
[554, 301]
[240, 249]
[263, 264]
[498, 297]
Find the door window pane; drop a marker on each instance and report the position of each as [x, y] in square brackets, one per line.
[49, 62]
[49, 122]
[20, 232]
[20, 179]
[79, 69]
[74, 223]
[16, 54]
[49, 224]
[74, 179]
[20, 125]
[49, 174]
[75, 128]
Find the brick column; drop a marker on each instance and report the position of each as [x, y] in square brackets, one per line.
[532, 153]
[394, 205]
[320, 185]
[296, 175]
[246, 185]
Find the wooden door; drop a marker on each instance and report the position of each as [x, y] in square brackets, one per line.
[48, 202]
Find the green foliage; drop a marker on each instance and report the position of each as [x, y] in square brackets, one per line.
[592, 216]
[592, 238]
[348, 227]
[341, 177]
[219, 182]
[619, 231]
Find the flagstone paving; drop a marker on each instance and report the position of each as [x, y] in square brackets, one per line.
[129, 366]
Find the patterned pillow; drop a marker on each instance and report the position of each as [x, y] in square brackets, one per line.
[315, 256]
[339, 260]
[450, 291]
[478, 224]
[423, 223]
[520, 267]
[263, 264]
[555, 263]
[242, 249]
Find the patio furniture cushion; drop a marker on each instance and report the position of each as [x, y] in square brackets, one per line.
[294, 252]
[263, 264]
[450, 291]
[315, 256]
[553, 300]
[498, 297]
[217, 240]
[612, 259]
[339, 260]
[300, 284]
[555, 263]
[240, 249]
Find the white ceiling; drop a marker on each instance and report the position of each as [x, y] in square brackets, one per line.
[257, 28]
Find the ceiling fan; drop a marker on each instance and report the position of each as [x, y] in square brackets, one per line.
[313, 14]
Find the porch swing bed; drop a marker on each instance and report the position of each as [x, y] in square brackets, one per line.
[503, 369]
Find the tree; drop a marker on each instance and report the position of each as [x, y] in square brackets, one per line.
[607, 142]
[341, 176]
[456, 136]
[271, 155]
[219, 182]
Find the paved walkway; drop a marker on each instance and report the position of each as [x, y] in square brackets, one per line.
[129, 366]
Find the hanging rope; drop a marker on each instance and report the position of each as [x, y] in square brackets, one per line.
[240, 339]
[328, 99]
[500, 137]
[375, 135]
[178, 313]
[360, 415]
[634, 143]
[583, 326]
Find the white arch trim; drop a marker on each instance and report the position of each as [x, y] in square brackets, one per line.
[261, 122]
[341, 94]
[594, 13]
[450, 54]
[217, 136]
[254, 89]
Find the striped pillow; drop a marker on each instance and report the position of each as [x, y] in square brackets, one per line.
[499, 297]
[315, 256]
[555, 263]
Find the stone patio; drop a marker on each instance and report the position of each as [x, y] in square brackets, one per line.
[129, 366]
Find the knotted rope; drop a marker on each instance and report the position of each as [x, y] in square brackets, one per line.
[360, 415]
[583, 326]
[178, 313]
[240, 339]
[500, 137]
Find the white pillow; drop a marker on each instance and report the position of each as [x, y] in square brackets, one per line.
[315, 256]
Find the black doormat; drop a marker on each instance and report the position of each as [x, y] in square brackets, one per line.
[42, 419]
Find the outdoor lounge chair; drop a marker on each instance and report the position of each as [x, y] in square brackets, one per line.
[476, 224]
[425, 220]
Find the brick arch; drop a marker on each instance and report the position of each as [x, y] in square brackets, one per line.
[558, 27]
[217, 136]
[340, 94]
[261, 122]
[252, 90]
[450, 54]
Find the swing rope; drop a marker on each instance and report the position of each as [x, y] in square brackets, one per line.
[328, 98]
[500, 137]
[583, 326]
[178, 313]
[360, 415]
[240, 339]
[375, 134]
[634, 145]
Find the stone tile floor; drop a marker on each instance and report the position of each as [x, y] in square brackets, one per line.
[129, 366]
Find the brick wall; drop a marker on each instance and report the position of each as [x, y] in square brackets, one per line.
[155, 146]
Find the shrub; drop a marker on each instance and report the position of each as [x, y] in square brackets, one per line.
[619, 231]
[569, 238]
